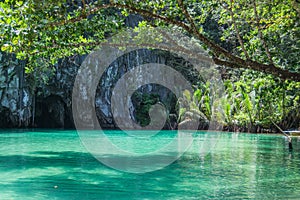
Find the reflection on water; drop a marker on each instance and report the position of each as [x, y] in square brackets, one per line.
[54, 165]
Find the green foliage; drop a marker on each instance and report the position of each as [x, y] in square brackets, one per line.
[36, 30]
[264, 31]
[189, 107]
[143, 104]
[253, 100]
[204, 96]
[276, 21]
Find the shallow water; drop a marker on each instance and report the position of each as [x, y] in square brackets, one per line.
[49, 164]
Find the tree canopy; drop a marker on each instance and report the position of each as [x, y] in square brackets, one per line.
[261, 35]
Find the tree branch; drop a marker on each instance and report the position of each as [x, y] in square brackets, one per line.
[240, 39]
[279, 72]
[260, 33]
[84, 7]
[188, 16]
[81, 17]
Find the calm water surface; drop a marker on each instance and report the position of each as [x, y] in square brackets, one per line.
[49, 164]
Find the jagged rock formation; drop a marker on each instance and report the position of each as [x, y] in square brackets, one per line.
[15, 97]
[49, 105]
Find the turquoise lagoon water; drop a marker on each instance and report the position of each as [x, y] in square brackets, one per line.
[47, 164]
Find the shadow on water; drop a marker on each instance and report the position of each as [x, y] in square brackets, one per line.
[44, 159]
[72, 159]
[81, 176]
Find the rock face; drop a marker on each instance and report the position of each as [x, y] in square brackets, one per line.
[15, 95]
[127, 62]
[53, 108]
[49, 105]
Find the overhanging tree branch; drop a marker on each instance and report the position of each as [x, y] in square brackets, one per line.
[230, 60]
[238, 35]
[281, 73]
[260, 33]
